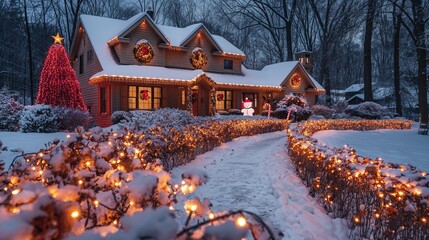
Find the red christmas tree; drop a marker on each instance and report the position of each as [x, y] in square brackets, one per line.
[58, 83]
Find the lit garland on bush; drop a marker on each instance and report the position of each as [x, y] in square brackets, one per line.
[379, 200]
[96, 178]
[198, 58]
[143, 51]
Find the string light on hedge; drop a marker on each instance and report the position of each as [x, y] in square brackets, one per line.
[78, 160]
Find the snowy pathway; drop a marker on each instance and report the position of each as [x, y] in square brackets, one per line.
[255, 173]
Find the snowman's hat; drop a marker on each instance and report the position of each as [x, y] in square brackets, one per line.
[245, 101]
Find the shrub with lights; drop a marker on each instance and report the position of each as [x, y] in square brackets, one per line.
[115, 184]
[292, 106]
[380, 200]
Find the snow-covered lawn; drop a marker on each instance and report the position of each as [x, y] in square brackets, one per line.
[395, 146]
[255, 173]
[27, 142]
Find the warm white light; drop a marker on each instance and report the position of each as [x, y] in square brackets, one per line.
[241, 221]
[75, 214]
[16, 191]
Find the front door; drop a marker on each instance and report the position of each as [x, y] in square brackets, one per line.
[195, 97]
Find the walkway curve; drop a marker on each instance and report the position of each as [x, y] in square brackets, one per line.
[256, 174]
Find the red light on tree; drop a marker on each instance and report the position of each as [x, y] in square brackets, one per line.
[58, 82]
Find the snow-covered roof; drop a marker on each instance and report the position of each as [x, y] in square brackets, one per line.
[176, 35]
[354, 88]
[359, 95]
[271, 75]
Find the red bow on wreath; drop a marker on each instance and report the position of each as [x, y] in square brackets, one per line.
[144, 95]
[220, 97]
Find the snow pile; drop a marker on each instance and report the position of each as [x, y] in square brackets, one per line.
[377, 199]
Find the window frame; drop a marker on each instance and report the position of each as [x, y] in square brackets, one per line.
[225, 100]
[103, 100]
[89, 56]
[81, 64]
[227, 66]
[137, 98]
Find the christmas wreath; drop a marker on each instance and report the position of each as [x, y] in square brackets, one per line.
[144, 95]
[143, 51]
[198, 58]
[295, 80]
[219, 97]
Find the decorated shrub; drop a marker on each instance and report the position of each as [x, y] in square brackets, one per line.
[10, 110]
[38, 118]
[293, 107]
[369, 110]
[322, 110]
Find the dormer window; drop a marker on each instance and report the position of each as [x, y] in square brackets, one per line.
[227, 64]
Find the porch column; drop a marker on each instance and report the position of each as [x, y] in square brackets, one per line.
[188, 102]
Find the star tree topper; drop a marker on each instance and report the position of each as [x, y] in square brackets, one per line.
[57, 39]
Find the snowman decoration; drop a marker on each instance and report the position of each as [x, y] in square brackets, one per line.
[247, 109]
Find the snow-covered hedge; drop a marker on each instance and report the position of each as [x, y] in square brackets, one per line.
[369, 110]
[163, 117]
[379, 200]
[38, 118]
[69, 119]
[99, 183]
[322, 110]
[10, 110]
[44, 118]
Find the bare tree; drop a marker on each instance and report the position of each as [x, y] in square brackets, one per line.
[276, 17]
[30, 52]
[336, 18]
[367, 63]
[397, 18]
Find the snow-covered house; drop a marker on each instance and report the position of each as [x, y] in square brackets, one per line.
[354, 91]
[137, 64]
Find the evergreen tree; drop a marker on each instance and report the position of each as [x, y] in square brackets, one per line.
[58, 82]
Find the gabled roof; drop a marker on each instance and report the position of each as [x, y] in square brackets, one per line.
[136, 20]
[354, 88]
[358, 96]
[201, 28]
[270, 76]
